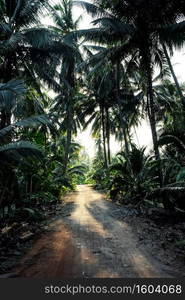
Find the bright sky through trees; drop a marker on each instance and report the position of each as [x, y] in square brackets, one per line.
[143, 132]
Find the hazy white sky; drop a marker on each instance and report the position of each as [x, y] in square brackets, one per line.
[143, 131]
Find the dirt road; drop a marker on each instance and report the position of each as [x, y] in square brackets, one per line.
[88, 240]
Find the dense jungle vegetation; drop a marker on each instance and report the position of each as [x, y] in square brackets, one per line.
[58, 79]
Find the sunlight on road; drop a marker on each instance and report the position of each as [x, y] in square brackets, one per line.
[89, 242]
[83, 216]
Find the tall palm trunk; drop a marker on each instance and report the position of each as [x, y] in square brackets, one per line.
[173, 75]
[108, 135]
[129, 138]
[165, 199]
[68, 137]
[104, 134]
[70, 110]
[151, 113]
[121, 117]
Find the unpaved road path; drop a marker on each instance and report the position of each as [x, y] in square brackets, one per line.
[89, 241]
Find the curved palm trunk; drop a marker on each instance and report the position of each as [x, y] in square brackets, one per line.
[173, 75]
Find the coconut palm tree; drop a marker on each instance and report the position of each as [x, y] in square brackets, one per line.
[23, 38]
[63, 25]
[26, 48]
[133, 29]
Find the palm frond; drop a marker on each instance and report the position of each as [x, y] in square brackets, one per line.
[16, 86]
[21, 150]
[91, 9]
[116, 25]
[173, 35]
[34, 121]
[8, 93]
[39, 37]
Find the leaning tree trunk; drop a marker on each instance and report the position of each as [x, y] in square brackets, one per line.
[173, 75]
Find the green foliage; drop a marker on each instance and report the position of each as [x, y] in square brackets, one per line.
[98, 174]
[33, 175]
[132, 180]
[109, 86]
